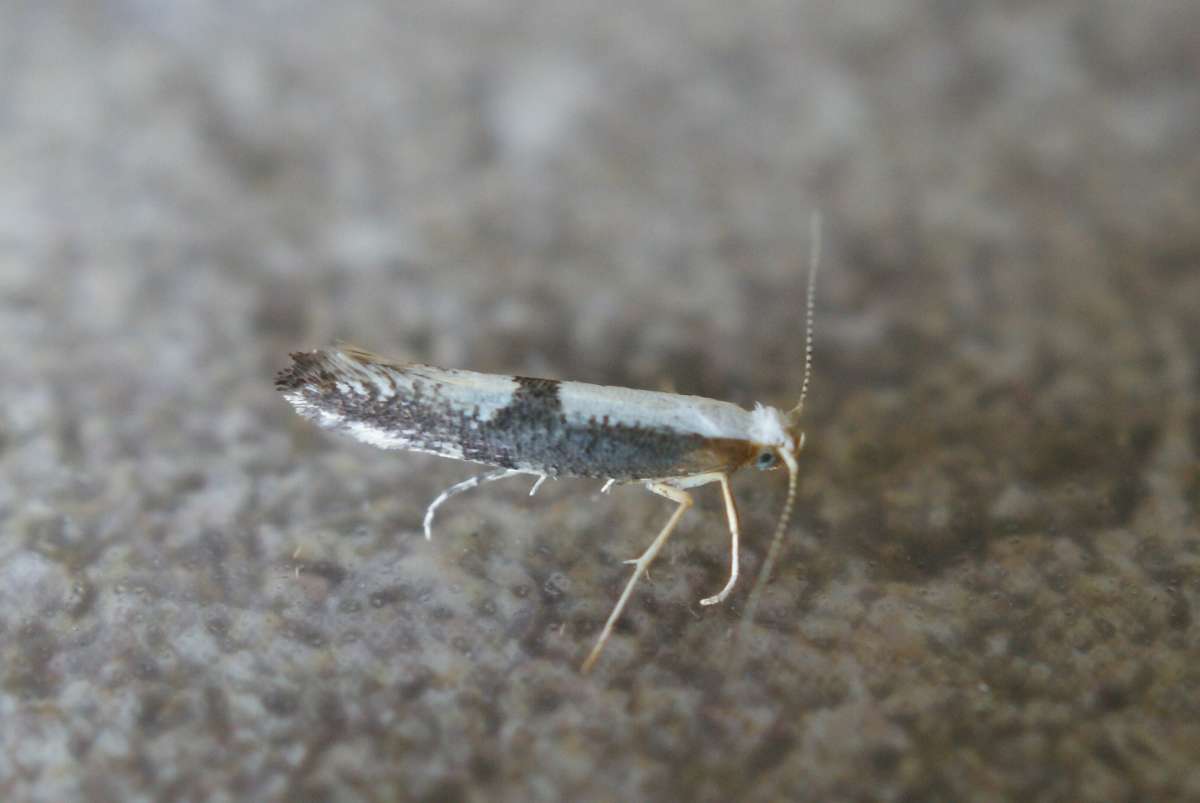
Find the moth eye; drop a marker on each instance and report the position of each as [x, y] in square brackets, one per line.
[765, 460]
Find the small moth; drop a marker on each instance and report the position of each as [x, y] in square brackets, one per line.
[548, 428]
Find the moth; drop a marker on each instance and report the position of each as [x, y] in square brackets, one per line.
[671, 443]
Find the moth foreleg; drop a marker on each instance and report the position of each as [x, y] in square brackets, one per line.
[458, 488]
[734, 529]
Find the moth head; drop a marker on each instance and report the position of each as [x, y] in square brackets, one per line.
[773, 436]
[770, 456]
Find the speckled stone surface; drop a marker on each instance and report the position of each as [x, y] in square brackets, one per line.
[990, 590]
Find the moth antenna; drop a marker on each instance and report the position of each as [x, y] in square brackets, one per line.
[789, 457]
[814, 262]
[764, 573]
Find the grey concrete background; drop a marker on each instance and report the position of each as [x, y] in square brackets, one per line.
[990, 590]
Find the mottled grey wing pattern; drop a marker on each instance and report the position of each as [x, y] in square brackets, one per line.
[542, 426]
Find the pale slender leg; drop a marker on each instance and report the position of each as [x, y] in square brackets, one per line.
[458, 488]
[732, 514]
[641, 564]
[538, 484]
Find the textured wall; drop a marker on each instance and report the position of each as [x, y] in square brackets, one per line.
[991, 586]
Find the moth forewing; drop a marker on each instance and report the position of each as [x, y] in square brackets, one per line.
[712, 456]
[537, 426]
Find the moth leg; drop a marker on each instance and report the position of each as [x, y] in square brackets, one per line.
[537, 484]
[684, 500]
[459, 487]
[734, 528]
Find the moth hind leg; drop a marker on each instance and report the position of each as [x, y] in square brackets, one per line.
[459, 487]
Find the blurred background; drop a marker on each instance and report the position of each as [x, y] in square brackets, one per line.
[989, 590]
